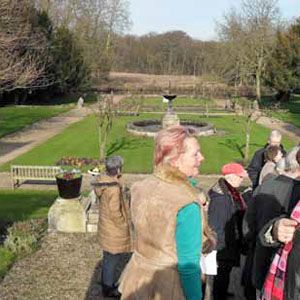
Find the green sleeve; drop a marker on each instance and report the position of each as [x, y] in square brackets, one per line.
[188, 245]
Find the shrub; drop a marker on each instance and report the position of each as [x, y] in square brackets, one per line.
[23, 237]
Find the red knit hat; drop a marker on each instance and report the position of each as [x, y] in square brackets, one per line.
[234, 168]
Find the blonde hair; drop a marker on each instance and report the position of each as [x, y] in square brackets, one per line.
[169, 143]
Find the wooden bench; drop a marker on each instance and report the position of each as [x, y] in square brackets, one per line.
[44, 173]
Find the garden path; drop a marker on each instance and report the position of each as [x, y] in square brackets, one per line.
[68, 266]
[15, 144]
[287, 129]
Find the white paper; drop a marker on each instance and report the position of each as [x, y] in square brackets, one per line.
[208, 263]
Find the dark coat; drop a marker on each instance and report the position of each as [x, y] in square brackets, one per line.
[225, 218]
[257, 164]
[271, 201]
[287, 204]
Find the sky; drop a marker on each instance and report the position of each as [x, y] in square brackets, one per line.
[196, 17]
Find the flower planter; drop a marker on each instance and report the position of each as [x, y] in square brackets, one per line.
[69, 188]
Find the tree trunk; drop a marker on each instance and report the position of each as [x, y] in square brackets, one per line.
[258, 85]
[247, 146]
[102, 143]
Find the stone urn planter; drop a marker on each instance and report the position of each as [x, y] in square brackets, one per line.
[69, 184]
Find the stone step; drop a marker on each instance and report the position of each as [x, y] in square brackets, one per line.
[91, 227]
[92, 217]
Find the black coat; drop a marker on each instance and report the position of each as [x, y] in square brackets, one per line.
[225, 218]
[275, 198]
[257, 164]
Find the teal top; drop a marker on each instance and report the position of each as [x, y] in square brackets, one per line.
[189, 245]
[193, 181]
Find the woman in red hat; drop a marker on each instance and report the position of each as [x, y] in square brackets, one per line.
[225, 213]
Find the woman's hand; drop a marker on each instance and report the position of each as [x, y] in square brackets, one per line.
[284, 230]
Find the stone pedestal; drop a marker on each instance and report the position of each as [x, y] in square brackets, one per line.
[170, 119]
[67, 215]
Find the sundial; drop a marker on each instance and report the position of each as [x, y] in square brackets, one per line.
[170, 99]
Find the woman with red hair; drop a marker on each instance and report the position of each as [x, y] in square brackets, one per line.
[168, 224]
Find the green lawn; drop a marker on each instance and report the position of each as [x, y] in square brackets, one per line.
[14, 118]
[19, 205]
[80, 140]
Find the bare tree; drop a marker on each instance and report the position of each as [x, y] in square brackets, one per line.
[95, 24]
[104, 116]
[23, 48]
[250, 111]
[250, 33]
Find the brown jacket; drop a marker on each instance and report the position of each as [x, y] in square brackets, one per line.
[113, 224]
[152, 271]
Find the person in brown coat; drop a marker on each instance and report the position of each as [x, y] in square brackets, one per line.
[169, 229]
[113, 225]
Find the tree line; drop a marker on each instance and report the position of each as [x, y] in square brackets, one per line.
[56, 47]
[255, 47]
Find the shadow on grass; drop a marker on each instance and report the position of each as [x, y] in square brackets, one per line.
[8, 147]
[22, 205]
[125, 143]
[236, 146]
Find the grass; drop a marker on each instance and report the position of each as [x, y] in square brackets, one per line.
[7, 258]
[18, 206]
[158, 103]
[289, 112]
[14, 118]
[80, 140]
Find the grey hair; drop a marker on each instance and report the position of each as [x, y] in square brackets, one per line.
[275, 134]
[281, 165]
[291, 163]
[113, 164]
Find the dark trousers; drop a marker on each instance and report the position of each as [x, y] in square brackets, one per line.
[112, 267]
[221, 281]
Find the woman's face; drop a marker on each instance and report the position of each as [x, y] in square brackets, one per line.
[189, 161]
[278, 156]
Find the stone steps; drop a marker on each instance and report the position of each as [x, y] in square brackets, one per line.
[92, 213]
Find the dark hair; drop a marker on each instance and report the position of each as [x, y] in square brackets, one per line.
[113, 165]
[271, 152]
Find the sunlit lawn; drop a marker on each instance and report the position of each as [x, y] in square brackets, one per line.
[14, 118]
[80, 140]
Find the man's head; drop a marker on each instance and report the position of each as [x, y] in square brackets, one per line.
[275, 138]
[114, 165]
[292, 162]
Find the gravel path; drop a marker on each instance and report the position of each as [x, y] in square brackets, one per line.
[66, 267]
[286, 128]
